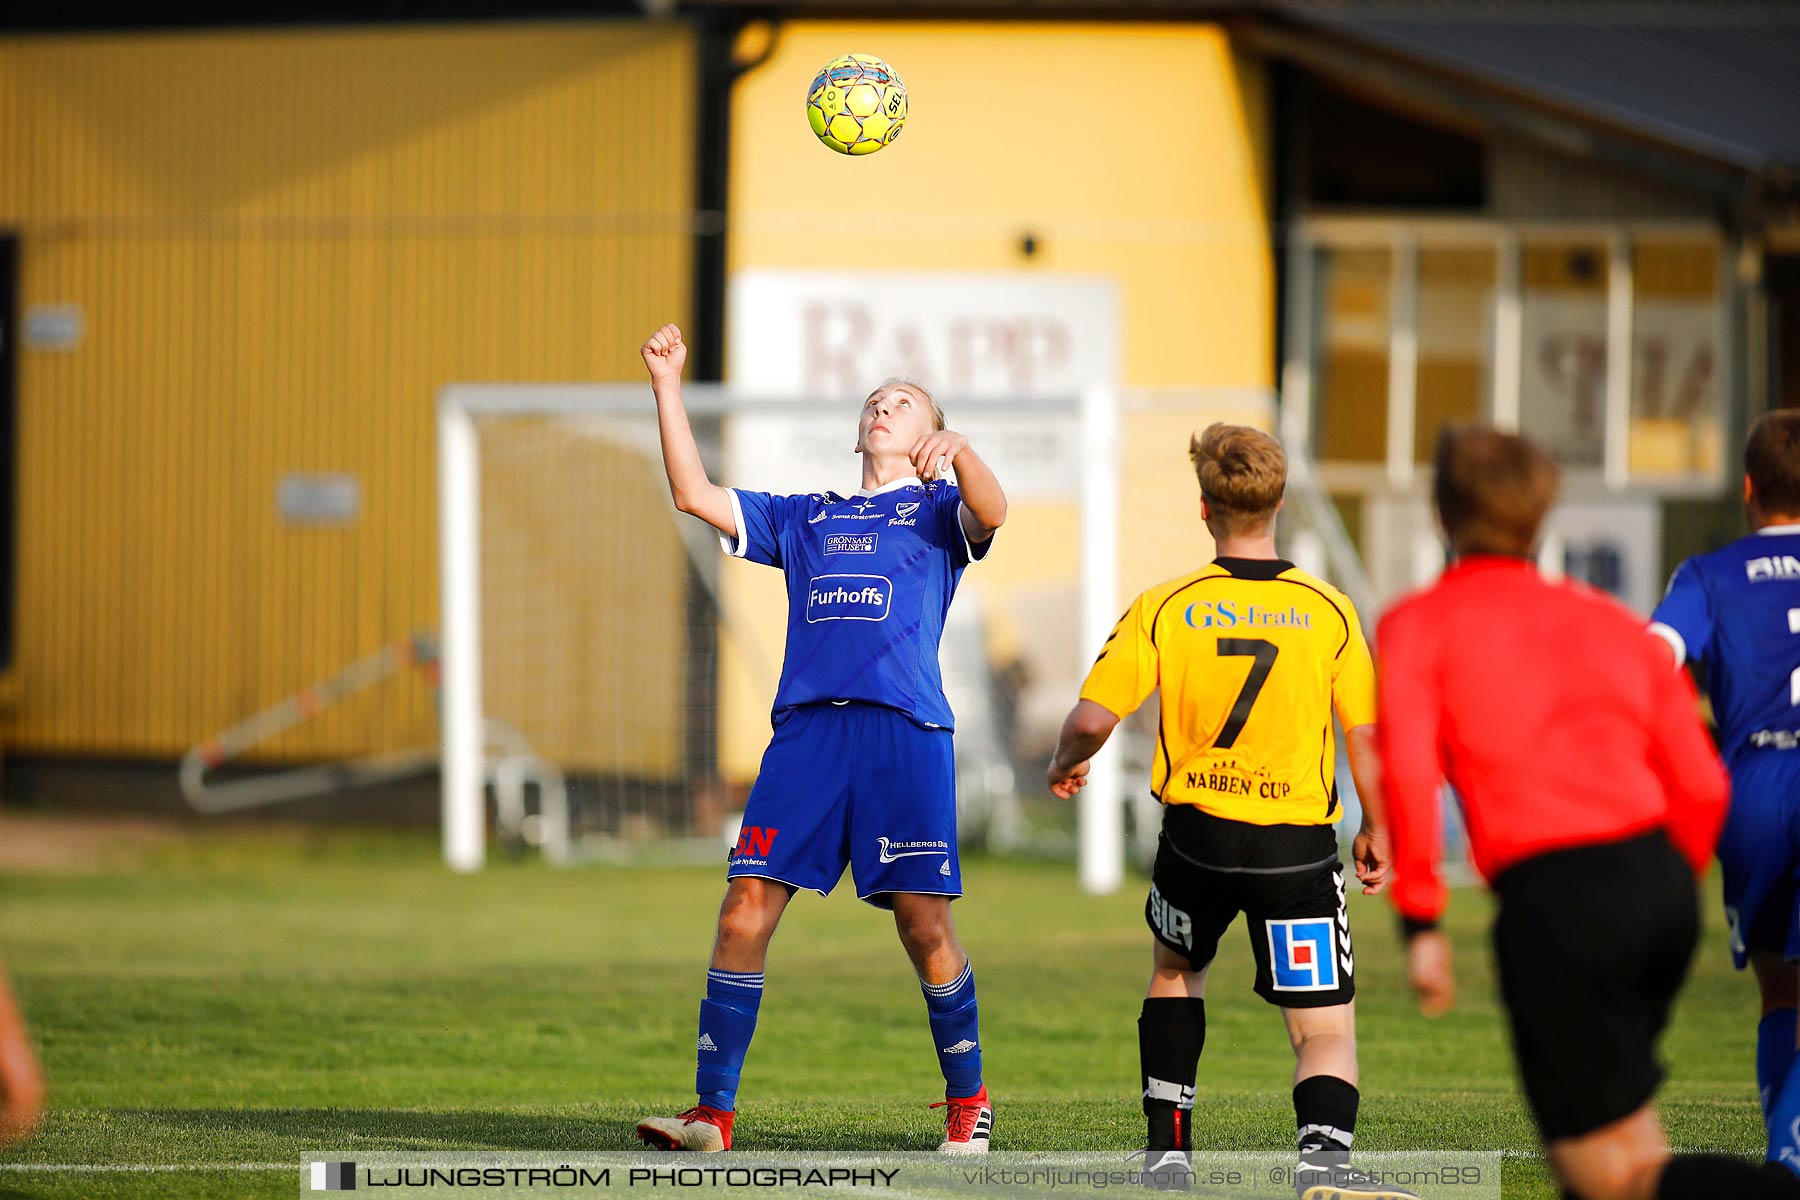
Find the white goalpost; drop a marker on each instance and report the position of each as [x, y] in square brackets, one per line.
[464, 806]
[580, 610]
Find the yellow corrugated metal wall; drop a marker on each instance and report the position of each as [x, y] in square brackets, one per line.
[282, 245]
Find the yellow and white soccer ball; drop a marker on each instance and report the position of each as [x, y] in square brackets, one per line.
[856, 104]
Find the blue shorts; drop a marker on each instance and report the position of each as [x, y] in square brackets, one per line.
[853, 784]
[1759, 855]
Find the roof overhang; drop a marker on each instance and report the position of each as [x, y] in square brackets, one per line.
[1381, 75]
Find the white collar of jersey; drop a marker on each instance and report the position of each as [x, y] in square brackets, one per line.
[896, 485]
[1790, 527]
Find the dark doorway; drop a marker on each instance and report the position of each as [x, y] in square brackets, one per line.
[1782, 279]
[1359, 155]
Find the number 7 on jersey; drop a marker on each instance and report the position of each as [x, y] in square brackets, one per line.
[1264, 653]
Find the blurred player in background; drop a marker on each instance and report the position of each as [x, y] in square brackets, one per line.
[1252, 656]
[1592, 798]
[860, 770]
[21, 1084]
[1737, 611]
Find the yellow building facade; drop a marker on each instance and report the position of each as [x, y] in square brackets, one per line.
[279, 246]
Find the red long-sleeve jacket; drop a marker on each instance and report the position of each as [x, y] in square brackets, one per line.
[1557, 717]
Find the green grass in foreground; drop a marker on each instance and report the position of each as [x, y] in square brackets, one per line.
[250, 998]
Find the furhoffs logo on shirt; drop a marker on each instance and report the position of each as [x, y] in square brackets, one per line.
[848, 598]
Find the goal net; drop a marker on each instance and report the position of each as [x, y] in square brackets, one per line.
[631, 665]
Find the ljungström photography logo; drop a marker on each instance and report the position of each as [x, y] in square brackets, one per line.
[334, 1177]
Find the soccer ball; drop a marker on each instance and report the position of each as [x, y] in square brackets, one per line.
[856, 105]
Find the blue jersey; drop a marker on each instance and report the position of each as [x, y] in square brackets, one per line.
[869, 582]
[1738, 611]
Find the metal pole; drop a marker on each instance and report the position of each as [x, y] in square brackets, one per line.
[1100, 811]
[459, 551]
[1296, 419]
[1617, 447]
[1509, 337]
[1403, 360]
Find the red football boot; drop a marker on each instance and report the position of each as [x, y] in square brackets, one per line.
[968, 1124]
[699, 1128]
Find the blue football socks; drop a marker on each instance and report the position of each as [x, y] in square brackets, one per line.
[1784, 1124]
[955, 1029]
[727, 1023]
[1774, 1056]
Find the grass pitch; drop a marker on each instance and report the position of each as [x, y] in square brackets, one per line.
[239, 998]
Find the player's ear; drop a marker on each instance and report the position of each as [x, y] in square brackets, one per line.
[1749, 490]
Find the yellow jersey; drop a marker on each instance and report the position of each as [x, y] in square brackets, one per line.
[1251, 656]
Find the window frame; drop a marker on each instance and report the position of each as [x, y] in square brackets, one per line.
[1403, 238]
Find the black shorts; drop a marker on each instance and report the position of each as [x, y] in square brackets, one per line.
[1591, 945]
[1285, 879]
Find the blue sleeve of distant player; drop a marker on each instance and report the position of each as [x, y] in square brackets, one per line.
[760, 521]
[950, 532]
[1684, 619]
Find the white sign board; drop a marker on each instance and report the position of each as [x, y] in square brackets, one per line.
[1001, 335]
[1615, 545]
[318, 500]
[1010, 336]
[56, 327]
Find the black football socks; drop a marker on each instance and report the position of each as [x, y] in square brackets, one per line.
[1171, 1034]
[1325, 1114]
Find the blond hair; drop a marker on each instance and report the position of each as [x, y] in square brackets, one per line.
[1242, 473]
[1493, 489]
[918, 389]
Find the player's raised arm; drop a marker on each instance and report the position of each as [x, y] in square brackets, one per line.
[983, 500]
[664, 356]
